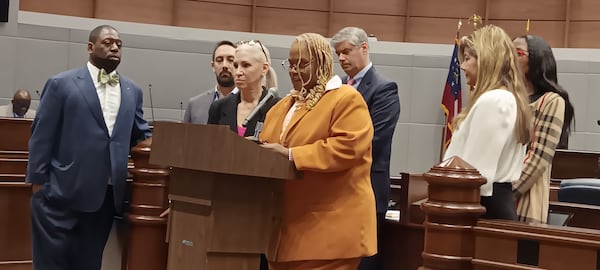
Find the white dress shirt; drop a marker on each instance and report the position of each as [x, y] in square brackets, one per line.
[486, 139]
[109, 96]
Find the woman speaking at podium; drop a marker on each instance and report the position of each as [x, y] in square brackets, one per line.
[324, 128]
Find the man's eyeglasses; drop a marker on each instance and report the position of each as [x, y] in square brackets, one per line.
[521, 52]
[254, 42]
[297, 66]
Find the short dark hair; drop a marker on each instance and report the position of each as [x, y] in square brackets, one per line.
[221, 43]
[95, 33]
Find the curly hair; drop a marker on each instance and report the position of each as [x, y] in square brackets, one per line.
[320, 53]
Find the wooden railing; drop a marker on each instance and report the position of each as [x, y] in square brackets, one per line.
[15, 217]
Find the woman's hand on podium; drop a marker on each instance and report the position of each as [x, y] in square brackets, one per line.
[254, 139]
[277, 148]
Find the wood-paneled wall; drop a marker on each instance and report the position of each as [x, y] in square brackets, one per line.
[564, 23]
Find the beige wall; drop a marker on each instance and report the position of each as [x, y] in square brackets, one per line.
[564, 23]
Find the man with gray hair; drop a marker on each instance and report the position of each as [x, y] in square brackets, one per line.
[381, 95]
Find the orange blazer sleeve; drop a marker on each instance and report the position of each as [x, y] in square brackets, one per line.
[351, 134]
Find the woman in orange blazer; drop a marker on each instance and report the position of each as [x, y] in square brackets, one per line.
[324, 127]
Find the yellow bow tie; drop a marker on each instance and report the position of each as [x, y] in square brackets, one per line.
[104, 78]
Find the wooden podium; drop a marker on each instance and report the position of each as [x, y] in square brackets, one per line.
[225, 195]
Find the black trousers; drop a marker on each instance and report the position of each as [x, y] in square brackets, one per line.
[501, 205]
[68, 240]
[264, 264]
[374, 262]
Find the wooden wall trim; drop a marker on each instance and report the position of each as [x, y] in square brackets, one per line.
[406, 18]
[330, 29]
[390, 20]
[173, 12]
[486, 15]
[567, 23]
[253, 16]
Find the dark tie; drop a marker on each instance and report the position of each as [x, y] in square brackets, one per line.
[104, 78]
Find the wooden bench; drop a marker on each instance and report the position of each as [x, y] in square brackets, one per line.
[569, 164]
[403, 239]
[515, 245]
[15, 224]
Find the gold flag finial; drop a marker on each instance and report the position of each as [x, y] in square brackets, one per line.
[475, 20]
[527, 27]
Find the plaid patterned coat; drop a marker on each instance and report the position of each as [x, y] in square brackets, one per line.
[534, 183]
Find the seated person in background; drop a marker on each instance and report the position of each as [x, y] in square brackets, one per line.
[252, 64]
[494, 128]
[553, 115]
[324, 128]
[20, 106]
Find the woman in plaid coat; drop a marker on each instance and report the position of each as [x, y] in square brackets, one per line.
[553, 115]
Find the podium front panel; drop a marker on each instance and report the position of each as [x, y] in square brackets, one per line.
[221, 221]
[245, 211]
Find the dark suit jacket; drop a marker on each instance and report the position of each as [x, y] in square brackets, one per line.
[381, 95]
[224, 112]
[70, 150]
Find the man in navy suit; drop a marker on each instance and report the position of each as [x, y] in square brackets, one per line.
[381, 95]
[87, 121]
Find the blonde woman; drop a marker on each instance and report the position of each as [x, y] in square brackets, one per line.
[252, 65]
[324, 127]
[495, 126]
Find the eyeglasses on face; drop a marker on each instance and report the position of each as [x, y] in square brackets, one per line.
[287, 65]
[521, 52]
[254, 42]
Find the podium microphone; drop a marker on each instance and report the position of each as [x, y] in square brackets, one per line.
[38, 93]
[272, 93]
[151, 105]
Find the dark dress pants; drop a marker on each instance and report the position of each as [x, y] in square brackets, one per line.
[501, 205]
[68, 240]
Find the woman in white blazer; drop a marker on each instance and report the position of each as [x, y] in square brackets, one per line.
[492, 131]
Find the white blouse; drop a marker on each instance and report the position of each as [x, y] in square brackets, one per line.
[486, 139]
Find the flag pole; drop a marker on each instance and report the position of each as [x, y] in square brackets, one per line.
[443, 141]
